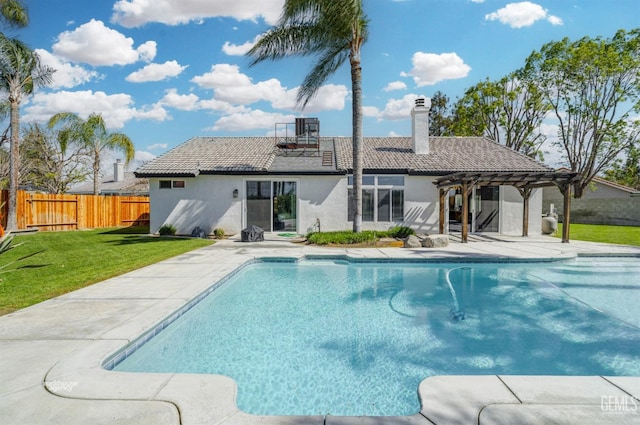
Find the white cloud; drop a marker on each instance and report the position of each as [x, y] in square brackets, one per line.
[147, 51]
[67, 75]
[221, 106]
[255, 119]
[522, 14]
[157, 146]
[116, 109]
[370, 111]
[95, 44]
[395, 85]
[554, 20]
[184, 102]
[430, 68]
[141, 158]
[239, 50]
[135, 13]
[156, 72]
[330, 97]
[154, 113]
[399, 109]
[232, 86]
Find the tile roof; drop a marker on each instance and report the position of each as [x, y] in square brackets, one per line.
[202, 155]
[238, 155]
[446, 155]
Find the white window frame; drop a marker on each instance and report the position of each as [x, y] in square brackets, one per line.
[172, 184]
[375, 187]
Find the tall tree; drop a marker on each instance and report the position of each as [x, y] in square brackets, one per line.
[592, 85]
[440, 118]
[626, 172]
[332, 31]
[509, 111]
[92, 134]
[20, 73]
[14, 13]
[50, 165]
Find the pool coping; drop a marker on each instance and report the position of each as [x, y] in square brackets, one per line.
[69, 373]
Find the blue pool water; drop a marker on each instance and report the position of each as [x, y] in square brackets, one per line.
[340, 338]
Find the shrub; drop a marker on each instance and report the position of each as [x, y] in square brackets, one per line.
[345, 237]
[401, 232]
[167, 230]
[218, 233]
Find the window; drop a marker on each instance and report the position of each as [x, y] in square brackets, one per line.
[171, 184]
[382, 198]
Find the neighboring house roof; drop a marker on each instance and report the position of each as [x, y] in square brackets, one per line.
[129, 185]
[260, 155]
[616, 186]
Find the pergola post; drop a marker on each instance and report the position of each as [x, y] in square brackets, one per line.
[441, 224]
[566, 191]
[526, 194]
[465, 213]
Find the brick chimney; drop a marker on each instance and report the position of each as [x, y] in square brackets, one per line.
[118, 171]
[420, 125]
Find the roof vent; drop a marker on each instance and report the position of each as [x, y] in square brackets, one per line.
[420, 101]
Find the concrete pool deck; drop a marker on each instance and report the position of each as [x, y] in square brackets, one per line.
[51, 354]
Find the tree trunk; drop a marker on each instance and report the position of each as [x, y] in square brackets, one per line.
[14, 165]
[96, 172]
[356, 80]
[578, 189]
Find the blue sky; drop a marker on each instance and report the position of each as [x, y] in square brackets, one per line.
[163, 71]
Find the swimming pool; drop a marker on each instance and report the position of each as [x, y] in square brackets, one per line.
[342, 338]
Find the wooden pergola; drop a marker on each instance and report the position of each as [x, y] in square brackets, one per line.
[525, 182]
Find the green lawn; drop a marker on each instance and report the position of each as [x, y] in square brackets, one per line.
[625, 235]
[72, 260]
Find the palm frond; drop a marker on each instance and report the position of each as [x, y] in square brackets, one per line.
[323, 69]
[14, 13]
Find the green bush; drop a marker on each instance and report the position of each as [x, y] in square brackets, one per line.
[345, 237]
[218, 233]
[167, 230]
[401, 232]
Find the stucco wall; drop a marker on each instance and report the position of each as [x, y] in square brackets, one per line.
[421, 210]
[512, 208]
[207, 202]
[323, 198]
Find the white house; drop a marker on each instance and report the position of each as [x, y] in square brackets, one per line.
[302, 181]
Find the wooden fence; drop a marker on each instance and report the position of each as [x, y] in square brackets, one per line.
[47, 212]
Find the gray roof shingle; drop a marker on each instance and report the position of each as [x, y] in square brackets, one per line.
[238, 155]
[446, 155]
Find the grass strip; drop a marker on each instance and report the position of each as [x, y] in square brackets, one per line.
[66, 261]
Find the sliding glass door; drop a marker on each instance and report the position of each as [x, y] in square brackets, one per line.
[272, 205]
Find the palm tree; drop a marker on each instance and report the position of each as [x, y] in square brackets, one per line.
[20, 73]
[332, 31]
[14, 13]
[93, 135]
